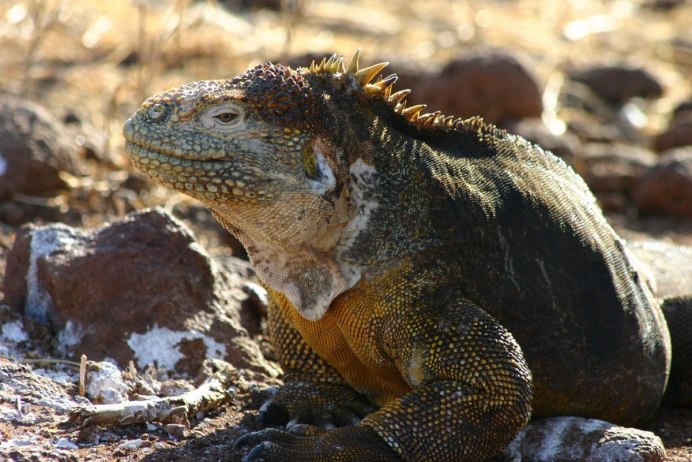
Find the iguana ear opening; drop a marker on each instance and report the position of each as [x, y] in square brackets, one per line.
[317, 168]
[310, 162]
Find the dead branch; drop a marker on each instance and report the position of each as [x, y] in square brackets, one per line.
[172, 409]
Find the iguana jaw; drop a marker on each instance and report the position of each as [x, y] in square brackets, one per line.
[205, 180]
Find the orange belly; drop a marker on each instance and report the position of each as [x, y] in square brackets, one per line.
[347, 337]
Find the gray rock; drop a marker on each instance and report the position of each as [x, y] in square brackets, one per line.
[139, 289]
[580, 439]
[668, 267]
[18, 380]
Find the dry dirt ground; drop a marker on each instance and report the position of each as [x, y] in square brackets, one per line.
[99, 60]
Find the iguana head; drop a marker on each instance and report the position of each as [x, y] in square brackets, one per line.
[269, 153]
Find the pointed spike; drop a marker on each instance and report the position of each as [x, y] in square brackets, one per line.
[399, 96]
[411, 113]
[387, 81]
[426, 119]
[337, 65]
[413, 110]
[383, 86]
[400, 107]
[312, 67]
[353, 65]
[365, 75]
[320, 67]
[372, 89]
[329, 65]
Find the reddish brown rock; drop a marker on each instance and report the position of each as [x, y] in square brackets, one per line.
[34, 149]
[618, 83]
[666, 188]
[141, 289]
[411, 74]
[663, 5]
[494, 84]
[679, 131]
[613, 167]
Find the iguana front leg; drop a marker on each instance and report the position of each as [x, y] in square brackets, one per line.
[472, 387]
[314, 398]
[471, 394]
[314, 393]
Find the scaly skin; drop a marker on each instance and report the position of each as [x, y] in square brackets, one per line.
[431, 280]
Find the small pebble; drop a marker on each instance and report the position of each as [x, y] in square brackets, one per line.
[175, 430]
[130, 444]
[64, 443]
[107, 437]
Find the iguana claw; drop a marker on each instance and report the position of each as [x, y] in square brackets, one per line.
[348, 444]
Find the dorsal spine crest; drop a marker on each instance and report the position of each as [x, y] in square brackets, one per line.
[364, 79]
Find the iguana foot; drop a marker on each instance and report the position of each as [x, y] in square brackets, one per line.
[346, 444]
[324, 405]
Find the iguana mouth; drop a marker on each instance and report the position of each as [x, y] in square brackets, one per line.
[200, 178]
[163, 158]
[141, 142]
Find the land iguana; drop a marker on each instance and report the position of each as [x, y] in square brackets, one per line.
[433, 282]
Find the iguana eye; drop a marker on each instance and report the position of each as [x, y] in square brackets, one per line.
[226, 117]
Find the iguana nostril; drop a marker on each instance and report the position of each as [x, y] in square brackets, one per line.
[158, 112]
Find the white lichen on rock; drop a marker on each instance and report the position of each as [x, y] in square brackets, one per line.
[160, 345]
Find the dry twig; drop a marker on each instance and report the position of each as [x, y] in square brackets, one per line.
[211, 394]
